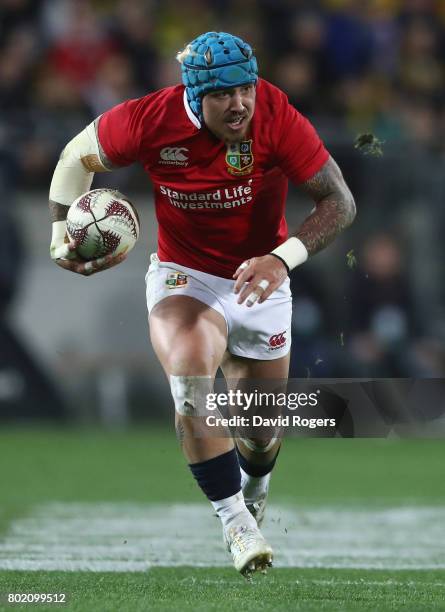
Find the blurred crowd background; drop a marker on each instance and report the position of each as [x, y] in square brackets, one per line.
[371, 306]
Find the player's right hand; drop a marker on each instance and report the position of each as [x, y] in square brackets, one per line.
[66, 257]
[257, 278]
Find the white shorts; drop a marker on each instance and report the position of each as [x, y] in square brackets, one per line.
[262, 331]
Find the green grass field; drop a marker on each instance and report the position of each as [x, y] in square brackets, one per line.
[356, 525]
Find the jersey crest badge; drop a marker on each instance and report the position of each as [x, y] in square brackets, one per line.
[176, 279]
[239, 158]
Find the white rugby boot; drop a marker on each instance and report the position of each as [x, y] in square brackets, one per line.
[250, 551]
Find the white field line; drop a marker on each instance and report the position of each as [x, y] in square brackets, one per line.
[324, 582]
[134, 537]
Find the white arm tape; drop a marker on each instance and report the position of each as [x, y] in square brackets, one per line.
[293, 252]
[71, 179]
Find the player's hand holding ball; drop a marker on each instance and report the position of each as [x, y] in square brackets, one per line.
[257, 278]
[102, 226]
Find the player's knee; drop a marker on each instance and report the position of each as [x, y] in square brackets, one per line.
[190, 394]
[259, 445]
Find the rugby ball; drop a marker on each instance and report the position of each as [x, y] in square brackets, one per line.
[102, 222]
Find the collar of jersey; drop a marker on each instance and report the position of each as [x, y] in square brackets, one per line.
[193, 118]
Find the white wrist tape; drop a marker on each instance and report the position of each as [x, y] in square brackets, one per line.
[58, 232]
[293, 252]
[58, 248]
[71, 179]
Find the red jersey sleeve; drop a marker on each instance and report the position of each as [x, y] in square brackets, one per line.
[120, 132]
[300, 151]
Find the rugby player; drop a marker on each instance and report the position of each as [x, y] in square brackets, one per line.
[219, 150]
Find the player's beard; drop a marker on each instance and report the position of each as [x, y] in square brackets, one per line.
[233, 136]
[219, 127]
[224, 134]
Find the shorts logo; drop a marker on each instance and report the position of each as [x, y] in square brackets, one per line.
[174, 156]
[239, 158]
[176, 279]
[277, 341]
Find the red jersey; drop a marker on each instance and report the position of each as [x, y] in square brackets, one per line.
[216, 204]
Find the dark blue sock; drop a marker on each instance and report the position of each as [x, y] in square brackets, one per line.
[219, 477]
[254, 469]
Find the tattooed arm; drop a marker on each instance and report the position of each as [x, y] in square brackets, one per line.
[334, 208]
[334, 211]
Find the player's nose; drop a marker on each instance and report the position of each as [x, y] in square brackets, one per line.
[236, 102]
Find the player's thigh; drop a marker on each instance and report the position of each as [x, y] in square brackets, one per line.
[188, 337]
[237, 369]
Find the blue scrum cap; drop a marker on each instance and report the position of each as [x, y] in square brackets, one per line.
[215, 60]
